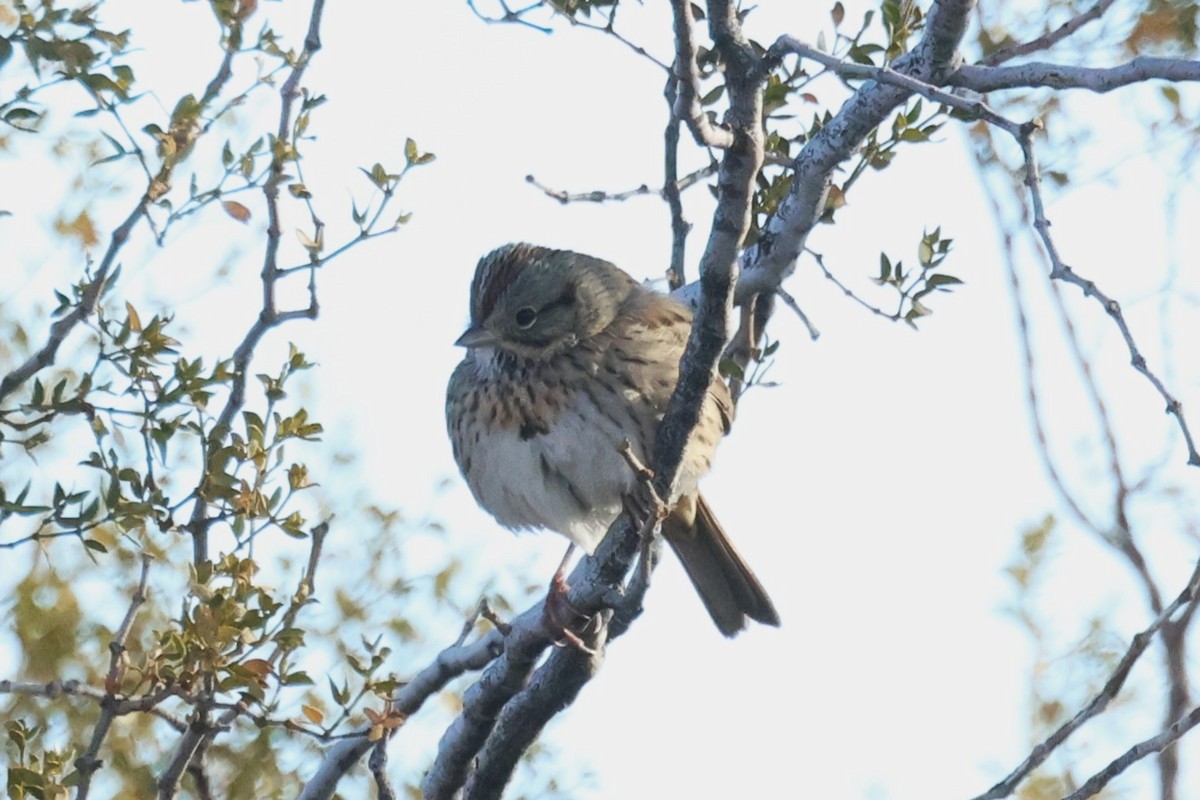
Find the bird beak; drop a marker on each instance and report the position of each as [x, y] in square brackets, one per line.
[476, 336]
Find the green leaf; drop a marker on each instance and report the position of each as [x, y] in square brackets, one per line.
[713, 96]
[942, 281]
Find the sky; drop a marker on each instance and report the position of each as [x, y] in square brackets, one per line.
[878, 489]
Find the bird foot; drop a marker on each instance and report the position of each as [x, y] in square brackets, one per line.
[561, 619]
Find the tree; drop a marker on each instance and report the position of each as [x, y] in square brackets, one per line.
[188, 460]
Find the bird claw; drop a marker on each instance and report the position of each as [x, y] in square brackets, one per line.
[560, 618]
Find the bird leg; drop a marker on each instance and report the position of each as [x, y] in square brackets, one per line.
[559, 617]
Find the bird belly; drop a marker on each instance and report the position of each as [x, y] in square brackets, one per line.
[569, 479]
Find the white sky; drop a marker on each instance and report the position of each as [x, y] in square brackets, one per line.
[878, 491]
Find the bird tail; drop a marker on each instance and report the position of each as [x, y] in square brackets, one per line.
[724, 581]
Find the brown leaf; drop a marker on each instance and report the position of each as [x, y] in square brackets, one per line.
[259, 666]
[236, 210]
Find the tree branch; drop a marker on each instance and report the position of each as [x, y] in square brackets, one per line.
[59, 331]
[984, 79]
[1156, 744]
[773, 257]
[687, 82]
[1101, 700]
[269, 316]
[1050, 39]
[552, 688]
[1061, 271]
[89, 762]
[451, 662]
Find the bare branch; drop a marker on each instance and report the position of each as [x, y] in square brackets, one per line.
[687, 81]
[1060, 271]
[483, 701]
[1048, 40]
[74, 688]
[377, 763]
[671, 189]
[89, 762]
[973, 108]
[1061, 76]
[791, 303]
[1156, 744]
[601, 196]
[731, 221]
[511, 16]
[553, 687]
[59, 331]
[168, 780]
[1100, 702]
[773, 257]
[453, 661]
[269, 316]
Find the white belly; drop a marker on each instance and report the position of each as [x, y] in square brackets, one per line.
[569, 480]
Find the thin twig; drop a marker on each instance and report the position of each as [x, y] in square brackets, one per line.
[687, 76]
[89, 762]
[791, 303]
[46, 354]
[976, 109]
[1064, 76]
[76, 688]
[680, 227]
[1060, 271]
[1048, 40]
[1155, 744]
[451, 662]
[1100, 701]
[269, 316]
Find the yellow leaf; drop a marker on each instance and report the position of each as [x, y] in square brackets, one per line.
[81, 228]
[135, 322]
[314, 714]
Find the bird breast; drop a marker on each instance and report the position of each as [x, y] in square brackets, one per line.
[547, 457]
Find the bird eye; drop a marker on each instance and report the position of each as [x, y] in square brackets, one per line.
[526, 317]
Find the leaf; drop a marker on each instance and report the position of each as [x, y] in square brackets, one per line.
[925, 252]
[297, 477]
[92, 544]
[81, 228]
[260, 667]
[135, 322]
[838, 13]
[236, 210]
[314, 714]
[835, 199]
[942, 281]
[713, 96]
[308, 243]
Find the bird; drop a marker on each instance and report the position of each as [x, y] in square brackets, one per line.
[567, 356]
